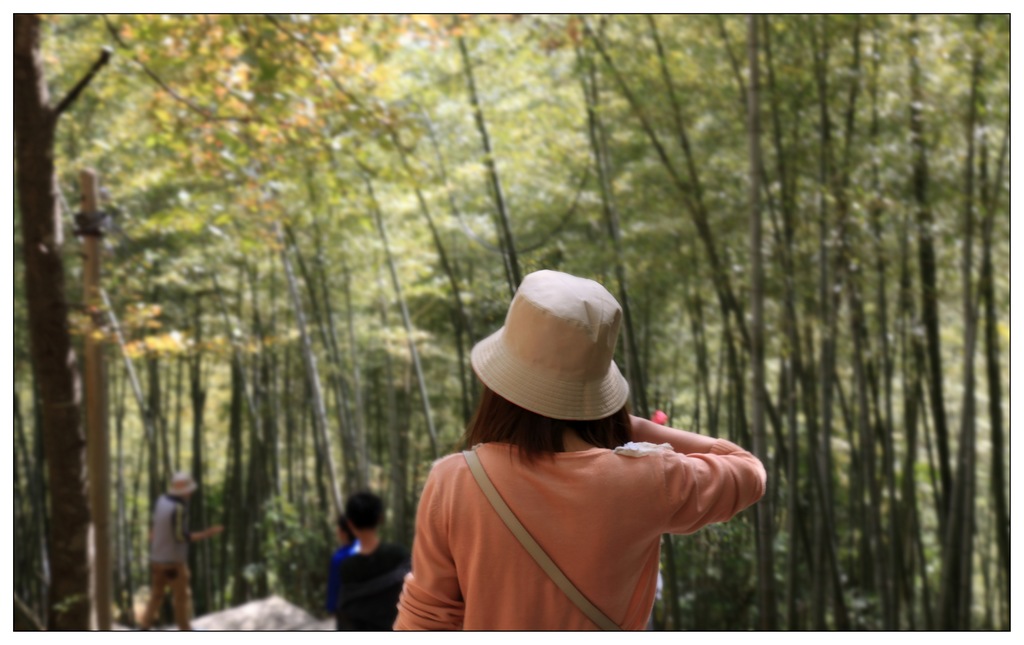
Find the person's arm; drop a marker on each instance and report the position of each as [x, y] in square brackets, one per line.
[708, 480]
[681, 441]
[196, 536]
[431, 598]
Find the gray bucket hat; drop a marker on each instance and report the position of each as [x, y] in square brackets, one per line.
[181, 484]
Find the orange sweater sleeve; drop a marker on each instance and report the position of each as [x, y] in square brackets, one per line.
[431, 598]
[703, 488]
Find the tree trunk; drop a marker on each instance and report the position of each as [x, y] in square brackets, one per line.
[398, 437]
[122, 547]
[358, 394]
[958, 546]
[929, 279]
[459, 309]
[353, 396]
[794, 362]
[903, 586]
[200, 554]
[406, 320]
[765, 531]
[671, 600]
[56, 365]
[828, 304]
[599, 147]
[463, 326]
[695, 309]
[27, 526]
[160, 463]
[312, 374]
[913, 366]
[498, 193]
[236, 517]
[878, 569]
[993, 372]
[356, 474]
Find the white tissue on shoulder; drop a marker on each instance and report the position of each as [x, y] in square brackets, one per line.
[641, 448]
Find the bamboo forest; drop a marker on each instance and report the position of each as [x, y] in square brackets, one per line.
[258, 249]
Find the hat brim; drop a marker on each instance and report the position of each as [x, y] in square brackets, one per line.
[191, 488]
[544, 394]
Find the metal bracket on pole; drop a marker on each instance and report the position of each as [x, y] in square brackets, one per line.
[92, 224]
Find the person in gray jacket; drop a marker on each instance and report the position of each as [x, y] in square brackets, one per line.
[168, 553]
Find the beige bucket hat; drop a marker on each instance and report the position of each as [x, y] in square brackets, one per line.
[554, 355]
[181, 484]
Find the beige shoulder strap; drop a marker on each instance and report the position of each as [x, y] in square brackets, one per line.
[531, 546]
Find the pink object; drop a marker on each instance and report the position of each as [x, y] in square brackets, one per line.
[659, 417]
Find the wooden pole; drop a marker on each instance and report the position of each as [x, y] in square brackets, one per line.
[97, 445]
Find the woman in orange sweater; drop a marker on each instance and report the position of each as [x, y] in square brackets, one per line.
[592, 485]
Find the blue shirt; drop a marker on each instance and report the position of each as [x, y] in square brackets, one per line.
[334, 576]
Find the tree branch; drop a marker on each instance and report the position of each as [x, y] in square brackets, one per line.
[66, 102]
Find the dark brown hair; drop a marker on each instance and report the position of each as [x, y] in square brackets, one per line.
[498, 419]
